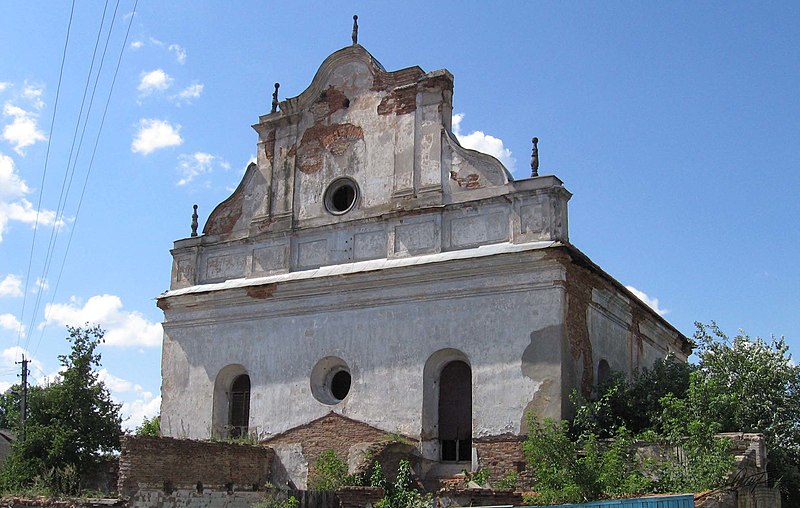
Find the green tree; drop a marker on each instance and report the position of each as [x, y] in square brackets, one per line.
[635, 404]
[71, 425]
[750, 385]
[150, 427]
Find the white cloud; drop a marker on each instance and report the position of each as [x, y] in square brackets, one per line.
[136, 44]
[9, 356]
[4, 85]
[11, 185]
[196, 164]
[12, 204]
[155, 134]
[152, 81]
[190, 92]
[10, 322]
[11, 285]
[123, 328]
[23, 130]
[179, 52]
[34, 95]
[23, 211]
[649, 301]
[477, 140]
[133, 411]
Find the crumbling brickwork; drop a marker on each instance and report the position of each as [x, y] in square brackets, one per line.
[501, 455]
[172, 464]
[331, 432]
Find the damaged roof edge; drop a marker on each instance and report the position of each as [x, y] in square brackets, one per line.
[579, 257]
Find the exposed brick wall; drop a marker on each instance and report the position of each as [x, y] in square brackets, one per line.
[331, 432]
[501, 455]
[359, 497]
[164, 463]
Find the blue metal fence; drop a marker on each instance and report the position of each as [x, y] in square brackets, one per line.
[682, 501]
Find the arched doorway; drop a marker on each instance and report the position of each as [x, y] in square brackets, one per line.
[239, 413]
[455, 412]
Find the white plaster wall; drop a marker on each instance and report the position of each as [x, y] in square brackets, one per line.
[385, 333]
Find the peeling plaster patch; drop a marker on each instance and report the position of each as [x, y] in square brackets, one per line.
[225, 216]
[471, 181]
[329, 102]
[269, 146]
[336, 139]
[541, 362]
[539, 404]
[399, 101]
[261, 292]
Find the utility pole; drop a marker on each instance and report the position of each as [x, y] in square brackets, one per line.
[23, 403]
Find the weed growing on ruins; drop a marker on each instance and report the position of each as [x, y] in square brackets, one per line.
[274, 500]
[329, 472]
[150, 427]
[509, 481]
[403, 493]
[480, 477]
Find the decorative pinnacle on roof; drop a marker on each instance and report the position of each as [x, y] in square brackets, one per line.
[535, 157]
[355, 30]
[194, 221]
[275, 98]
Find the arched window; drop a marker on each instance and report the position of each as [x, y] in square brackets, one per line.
[603, 373]
[239, 413]
[455, 412]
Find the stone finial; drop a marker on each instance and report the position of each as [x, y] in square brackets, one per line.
[355, 30]
[194, 221]
[535, 157]
[275, 98]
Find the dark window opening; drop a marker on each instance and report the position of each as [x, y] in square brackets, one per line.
[603, 373]
[343, 197]
[240, 406]
[340, 385]
[455, 412]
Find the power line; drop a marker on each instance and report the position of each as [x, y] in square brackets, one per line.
[44, 173]
[94, 151]
[67, 181]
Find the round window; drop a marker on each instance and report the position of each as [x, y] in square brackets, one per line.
[341, 196]
[330, 380]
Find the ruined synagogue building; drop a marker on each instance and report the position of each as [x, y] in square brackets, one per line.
[370, 278]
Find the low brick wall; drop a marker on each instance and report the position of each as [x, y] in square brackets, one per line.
[168, 465]
[359, 497]
[478, 497]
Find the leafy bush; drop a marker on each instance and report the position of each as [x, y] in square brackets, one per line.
[329, 472]
[509, 481]
[403, 494]
[150, 427]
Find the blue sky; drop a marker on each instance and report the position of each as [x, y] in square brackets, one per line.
[674, 124]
